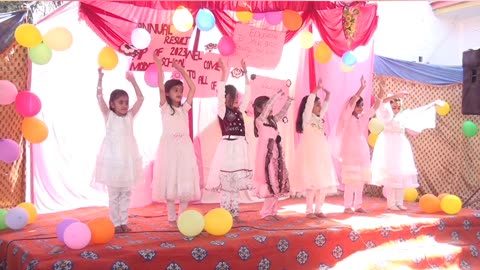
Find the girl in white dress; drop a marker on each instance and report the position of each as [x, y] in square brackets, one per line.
[119, 164]
[175, 170]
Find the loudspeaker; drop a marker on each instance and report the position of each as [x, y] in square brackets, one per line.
[471, 82]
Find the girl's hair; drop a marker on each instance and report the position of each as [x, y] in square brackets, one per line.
[168, 86]
[359, 101]
[301, 109]
[230, 91]
[116, 94]
[257, 106]
[396, 100]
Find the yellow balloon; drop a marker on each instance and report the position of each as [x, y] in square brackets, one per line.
[451, 204]
[410, 195]
[31, 210]
[28, 35]
[244, 14]
[375, 126]
[107, 58]
[443, 110]
[34, 130]
[182, 19]
[323, 54]
[218, 221]
[346, 68]
[372, 139]
[58, 39]
[306, 39]
[190, 223]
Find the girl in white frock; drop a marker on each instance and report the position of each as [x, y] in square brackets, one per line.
[175, 170]
[119, 164]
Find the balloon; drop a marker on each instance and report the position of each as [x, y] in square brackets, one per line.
[8, 92]
[218, 221]
[62, 226]
[349, 59]
[346, 68]
[34, 130]
[451, 204]
[31, 210]
[306, 39]
[27, 104]
[429, 203]
[442, 195]
[470, 129]
[3, 213]
[102, 230]
[77, 235]
[274, 18]
[107, 58]
[410, 195]
[226, 46]
[9, 150]
[40, 54]
[140, 38]
[58, 39]
[244, 14]
[443, 110]
[16, 218]
[28, 35]
[323, 54]
[372, 139]
[182, 19]
[375, 126]
[205, 20]
[361, 53]
[292, 20]
[258, 16]
[191, 223]
[151, 75]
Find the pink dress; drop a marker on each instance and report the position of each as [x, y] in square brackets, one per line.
[271, 175]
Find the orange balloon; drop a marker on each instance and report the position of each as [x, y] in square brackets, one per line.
[102, 230]
[244, 14]
[292, 20]
[429, 203]
[34, 130]
[323, 54]
[440, 197]
[107, 58]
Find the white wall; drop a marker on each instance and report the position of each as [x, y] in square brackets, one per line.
[409, 29]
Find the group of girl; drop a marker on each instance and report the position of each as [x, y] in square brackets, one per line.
[176, 174]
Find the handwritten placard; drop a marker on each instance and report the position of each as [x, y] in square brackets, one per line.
[206, 73]
[166, 42]
[266, 86]
[261, 48]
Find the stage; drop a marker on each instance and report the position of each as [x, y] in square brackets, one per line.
[377, 240]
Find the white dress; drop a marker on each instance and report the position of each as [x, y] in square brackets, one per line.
[175, 171]
[119, 163]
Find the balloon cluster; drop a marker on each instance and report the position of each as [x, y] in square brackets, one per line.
[469, 128]
[40, 47]
[18, 217]
[77, 235]
[449, 204]
[216, 222]
[375, 127]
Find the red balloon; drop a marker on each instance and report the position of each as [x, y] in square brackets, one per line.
[226, 46]
[27, 104]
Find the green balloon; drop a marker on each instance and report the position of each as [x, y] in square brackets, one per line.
[3, 213]
[41, 54]
[469, 128]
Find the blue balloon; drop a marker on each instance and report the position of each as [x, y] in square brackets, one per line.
[349, 59]
[205, 20]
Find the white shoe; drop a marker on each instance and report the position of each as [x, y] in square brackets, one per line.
[401, 207]
[394, 208]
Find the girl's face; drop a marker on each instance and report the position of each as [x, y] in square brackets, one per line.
[358, 109]
[396, 107]
[120, 105]
[232, 102]
[317, 108]
[176, 94]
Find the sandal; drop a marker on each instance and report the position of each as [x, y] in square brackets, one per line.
[360, 210]
[320, 215]
[311, 216]
[125, 229]
[118, 229]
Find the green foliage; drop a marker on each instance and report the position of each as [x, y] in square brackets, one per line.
[38, 9]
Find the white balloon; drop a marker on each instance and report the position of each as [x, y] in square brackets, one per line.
[182, 19]
[141, 38]
[362, 53]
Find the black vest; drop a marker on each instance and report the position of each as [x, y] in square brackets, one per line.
[232, 123]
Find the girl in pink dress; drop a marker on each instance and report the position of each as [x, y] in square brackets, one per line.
[271, 175]
[354, 150]
[314, 168]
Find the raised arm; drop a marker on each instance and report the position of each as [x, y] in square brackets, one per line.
[269, 105]
[284, 110]
[161, 78]
[248, 90]
[101, 102]
[353, 100]
[396, 96]
[378, 100]
[221, 109]
[136, 107]
[188, 80]
[326, 103]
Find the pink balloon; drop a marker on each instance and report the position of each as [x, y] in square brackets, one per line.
[258, 16]
[28, 104]
[9, 150]
[226, 46]
[63, 225]
[77, 235]
[151, 76]
[8, 92]
[274, 18]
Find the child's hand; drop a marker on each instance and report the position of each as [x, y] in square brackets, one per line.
[280, 92]
[176, 65]
[244, 65]
[363, 82]
[381, 94]
[100, 73]
[402, 94]
[129, 76]
[221, 64]
[291, 98]
[158, 60]
[320, 83]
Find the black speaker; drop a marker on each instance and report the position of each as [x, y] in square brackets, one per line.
[471, 82]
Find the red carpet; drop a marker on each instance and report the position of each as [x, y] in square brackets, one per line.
[377, 240]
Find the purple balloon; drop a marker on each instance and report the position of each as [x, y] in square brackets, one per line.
[27, 104]
[274, 18]
[258, 16]
[9, 150]
[16, 218]
[62, 226]
[151, 75]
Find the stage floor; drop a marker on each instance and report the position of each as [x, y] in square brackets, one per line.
[377, 240]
